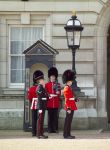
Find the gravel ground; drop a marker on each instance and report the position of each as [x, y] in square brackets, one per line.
[85, 140]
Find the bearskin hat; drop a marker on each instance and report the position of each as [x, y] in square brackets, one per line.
[37, 75]
[53, 71]
[68, 75]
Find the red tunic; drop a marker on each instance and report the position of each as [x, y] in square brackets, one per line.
[55, 101]
[68, 93]
[32, 97]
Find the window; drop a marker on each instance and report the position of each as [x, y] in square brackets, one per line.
[20, 39]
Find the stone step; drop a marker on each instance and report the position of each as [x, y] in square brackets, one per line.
[18, 102]
[12, 91]
[5, 113]
[81, 113]
[11, 102]
[11, 118]
[80, 94]
[11, 97]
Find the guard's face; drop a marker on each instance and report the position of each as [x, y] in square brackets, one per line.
[41, 81]
[52, 78]
[70, 83]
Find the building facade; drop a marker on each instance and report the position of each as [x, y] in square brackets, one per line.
[22, 23]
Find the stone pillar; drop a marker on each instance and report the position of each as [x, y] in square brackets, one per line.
[48, 29]
[101, 76]
[3, 53]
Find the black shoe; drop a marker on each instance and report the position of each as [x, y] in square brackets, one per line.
[53, 131]
[69, 137]
[72, 136]
[43, 137]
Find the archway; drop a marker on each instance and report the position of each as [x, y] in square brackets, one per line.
[38, 66]
[103, 23]
[44, 68]
[108, 76]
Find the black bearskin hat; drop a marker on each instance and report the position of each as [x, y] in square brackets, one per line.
[68, 75]
[37, 75]
[53, 71]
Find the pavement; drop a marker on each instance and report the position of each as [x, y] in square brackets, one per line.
[85, 140]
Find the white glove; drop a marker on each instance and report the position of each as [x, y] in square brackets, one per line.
[40, 111]
[58, 92]
[69, 111]
[50, 97]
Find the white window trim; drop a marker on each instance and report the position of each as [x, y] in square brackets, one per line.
[18, 85]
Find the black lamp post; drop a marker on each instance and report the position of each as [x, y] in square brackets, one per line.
[73, 33]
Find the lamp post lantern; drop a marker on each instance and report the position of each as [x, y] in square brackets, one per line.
[73, 33]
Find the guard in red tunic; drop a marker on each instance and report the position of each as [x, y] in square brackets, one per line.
[33, 99]
[42, 104]
[54, 90]
[70, 105]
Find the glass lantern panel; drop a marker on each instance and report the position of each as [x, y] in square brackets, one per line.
[70, 38]
[70, 23]
[76, 37]
[77, 23]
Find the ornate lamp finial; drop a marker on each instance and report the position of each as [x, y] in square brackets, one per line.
[74, 13]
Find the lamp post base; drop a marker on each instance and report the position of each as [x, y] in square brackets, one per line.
[75, 87]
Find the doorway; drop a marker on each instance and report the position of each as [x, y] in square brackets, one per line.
[108, 75]
[44, 69]
[38, 66]
[39, 56]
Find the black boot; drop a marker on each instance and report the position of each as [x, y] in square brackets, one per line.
[69, 137]
[43, 137]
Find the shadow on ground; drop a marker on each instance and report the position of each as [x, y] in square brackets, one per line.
[80, 134]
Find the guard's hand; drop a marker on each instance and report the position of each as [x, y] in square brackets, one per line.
[69, 111]
[62, 92]
[50, 97]
[40, 111]
[77, 100]
[43, 84]
[58, 92]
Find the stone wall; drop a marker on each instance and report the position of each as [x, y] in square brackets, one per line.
[11, 112]
[90, 58]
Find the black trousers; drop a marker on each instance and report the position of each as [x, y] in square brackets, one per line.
[34, 122]
[40, 123]
[53, 114]
[67, 124]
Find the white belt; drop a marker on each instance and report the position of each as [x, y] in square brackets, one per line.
[72, 99]
[36, 99]
[44, 98]
[53, 95]
[33, 100]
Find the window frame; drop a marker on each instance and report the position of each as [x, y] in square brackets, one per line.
[18, 85]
